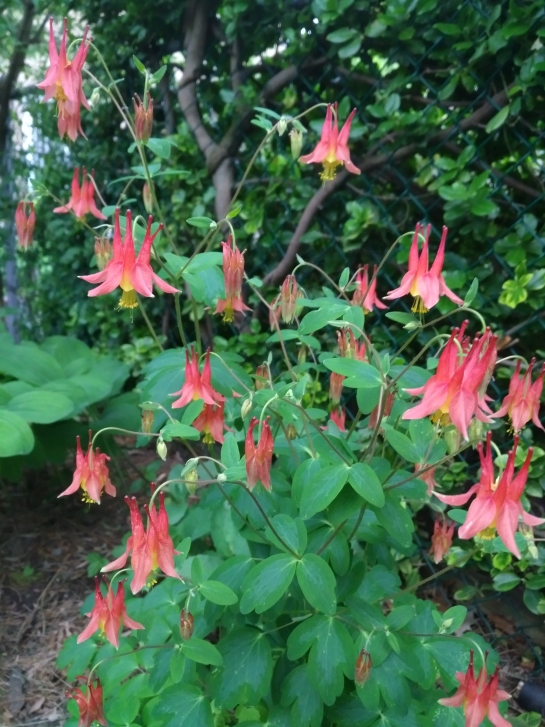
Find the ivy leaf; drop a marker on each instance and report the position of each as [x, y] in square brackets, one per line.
[317, 583]
[307, 710]
[185, 705]
[247, 675]
[319, 492]
[267, 582]
[218, 593]
[366, 483]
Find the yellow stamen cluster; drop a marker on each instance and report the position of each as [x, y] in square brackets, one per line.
[418, 305]
[128, 299]
[330, 170]
[442, 417]
[488, 533]
[208, 438]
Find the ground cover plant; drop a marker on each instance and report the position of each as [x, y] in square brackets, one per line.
[265, 581]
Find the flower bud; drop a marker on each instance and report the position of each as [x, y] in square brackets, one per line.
[246, 407]
[191, 479]
[288, 298]
[363, 668]
[143, 118]
[147, 421]
[95, 97]
[335, 387]
[274, 313]
[527, 533]
[148, 200]
[281, 126]
[161, 448]
[262, 374]
[475, 431]
[453, 439]
[347, 343]
[302, 354]
[296, 142]
[103, 251]
[291, 431]
[186, 625]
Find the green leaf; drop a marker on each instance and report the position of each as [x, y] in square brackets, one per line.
[351, 48]
[359, 373]
[246, 677]
[345, 277]
[307, 709]
[396, 520]
[505, 581]
[159, 147]
[342, 35]
[292, 532]
[218, 593]
[497, 120]
[402, 445]
[158, 75]
[366, 483]
[472, 292]
[41, 407]
[317, 582]
[141, 67]
[317, 319]
[234, 213]
[177, 429]
[267, 582]
[185, 705]
[201, 651]
[453, 618]
[204, 222]
[304, 474]
[448, 28]
[320, 491]
[30, 364]
[16, 436]
[402, 318]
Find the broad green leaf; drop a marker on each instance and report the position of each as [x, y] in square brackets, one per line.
[158, 75]
[41, 407]
[396, 520]
[402, 445]
[307, 709]
[305, 473]
[359, 374]
[177, 429]
[366, 483]
[30, 364]
[185, 705]
[497, 120]
[317, 582]
[342, 35]
[292, 532]
[201, 651]
[204, 222]
[267, 582]
[159, 147]
[320, 491]
[16, 436]
[246, 675]
[141, 67]
[317, 319]
[218, 593]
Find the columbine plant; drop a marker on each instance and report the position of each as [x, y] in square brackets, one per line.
[277, 580]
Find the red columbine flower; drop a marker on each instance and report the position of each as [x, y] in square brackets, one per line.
[338, 416]
[289, 297]
[497, 506]
[332, 149]
[426, 286]
[455, 392]
[211, 422]
[335, 387]
[143, 118]
[478, 698]
[259, 459]
[150, 550]
[91, 474]
[82, 200]
[441, 540]
[108, 615]
[365, 295]
[233, 273]
[90, 704]
[63, 82]
[197, 385]
[349, 346]
[132, 274]
[364, 664]
[25, 224]
[522, 400]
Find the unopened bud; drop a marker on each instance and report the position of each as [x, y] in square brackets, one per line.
[246, 407]
[527, 533]
[302, 354]
[289, 295]
[147, 421]
[453, 439]
[148, 199]
[262, 376]
[296, 142]
[363, 667]
[103, 251]
[161, 448]
[291, 431]
[95, 97]
[335, 387]
[475, 431]
[143, 118]
[186, 625]
[347, 343]
[281, 126]
[191, 479]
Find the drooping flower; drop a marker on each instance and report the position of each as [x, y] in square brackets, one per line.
[335, 387]
[91, 474]
[103, 251]
[364, 664]
[186, 624]
[338, 415]
[143, 118]
[150, 549]
[89, 705]
[478, 697]
[455, 392]
[147, 421]
[24, 224]
[497, 506]
[349, 346]
[132, 274]
[365, 295]
[259, 459]
[428, 476]
[262, 376]
[290, 293]
[197, 385]
[63, 82]
[523, 398]
[426, 285]
[275, 311]
[211, 422]
[147, 198]
[82, 200]
[233, 273]
[332, 149]
[441, 540]
[108, 615]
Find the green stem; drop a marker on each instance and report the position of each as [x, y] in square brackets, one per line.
[425, 469]
[149, 324]
[123, 431]
[179, 319]
[357, 523]
[197, 326]
[353, 425]
[331, 537]
[441, 572]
